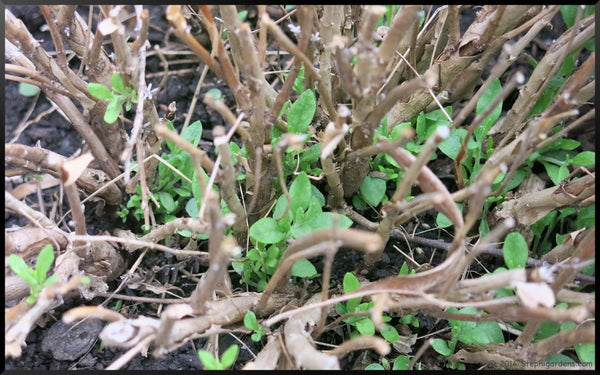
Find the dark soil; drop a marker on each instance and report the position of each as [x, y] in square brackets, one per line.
[54, 132]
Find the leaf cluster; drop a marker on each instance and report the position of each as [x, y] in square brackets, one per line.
[36, 277]
[120, 96]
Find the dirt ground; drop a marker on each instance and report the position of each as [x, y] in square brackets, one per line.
[48, 344]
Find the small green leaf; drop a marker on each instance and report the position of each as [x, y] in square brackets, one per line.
[208, 361]
[316, 193]
[483, 333]
[340, 308]
[365, 327]
[350, 283]
[401, 363]
[421, 127]
[403, 269]
[191, 207]
[166, 200]
[302, 112]
[586, 352]
[569, 13]
[250, 321]
[21, 268]
[215, 93]
[515, 250]
[267, 231]
[585, 159]
[390, 333]
[193, 133]
[256, 336]
[441, 346]
[99, 91]
[374, 367]
[242, 15]
[372, 190]
[51, 280]
[451, 145]
[44, 262]
[304, 269]
[28, 90]
[229, 356]
[117, 83]
[559, 358]
[484, 103]
[442, 220]
[113, 110]
[300, 192]
[254, 255]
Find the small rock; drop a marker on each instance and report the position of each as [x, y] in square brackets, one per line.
[67, 342]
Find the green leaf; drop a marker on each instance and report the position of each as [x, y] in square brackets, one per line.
[316, 193]
[193, 133]
[555, 172]
[229, 356]
[390, 333]
[250, 321]
[191, 207]
[21, 268]
[166, 200]
[421, 127]
[208, 361]
[117, 83]
[586, 352]
[304, 269]
[99, 91]
[442, 220]
[451, 145]
[113, 110]
[215, 93]
[319, 220]
[44, 262]
[300, 192]
[28, 90]
[350, 284]
[569, 13]
[372, 190]
[560, 358]
[299, 82]
[483, 333]
[311, 155]
[302, 112]
[484, 103]
[267, 231]
[441, 346]
[585, 159]
[403, 269]
[51, 280]
[401, 363]
[254, 255]
[515, 250]
[365, 327]
[374, 366]
[561, 144]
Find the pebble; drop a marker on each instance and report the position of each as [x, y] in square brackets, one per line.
[68, 342]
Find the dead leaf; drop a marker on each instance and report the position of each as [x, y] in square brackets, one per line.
[72, 169]
[534, 294]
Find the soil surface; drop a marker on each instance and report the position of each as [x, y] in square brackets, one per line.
[55, 346]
